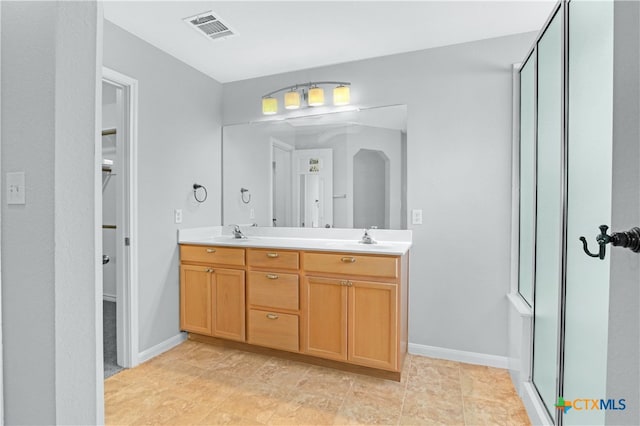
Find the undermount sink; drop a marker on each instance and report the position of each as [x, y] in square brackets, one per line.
[351, 245]
[229, 238]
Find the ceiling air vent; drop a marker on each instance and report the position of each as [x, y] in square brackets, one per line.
[209, 26]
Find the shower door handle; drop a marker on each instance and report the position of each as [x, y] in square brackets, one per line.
[628, 239]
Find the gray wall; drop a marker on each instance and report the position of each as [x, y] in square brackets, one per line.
[623, 361]
[178, 144]
[459, 168]
[49, 113]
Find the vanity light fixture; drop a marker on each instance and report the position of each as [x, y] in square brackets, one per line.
[292, 99]
[341, 95]
[316, 96]
[269, 105]
[309, 92]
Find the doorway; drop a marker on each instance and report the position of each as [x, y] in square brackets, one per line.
[371, 187]
[119, 221]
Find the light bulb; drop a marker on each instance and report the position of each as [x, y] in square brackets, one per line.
[269, 106]
[316, 96]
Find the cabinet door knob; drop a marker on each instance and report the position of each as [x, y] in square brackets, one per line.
[211, 250]
[344, 282]
[349, 284]
[271, 276]
[348, 259]
[272, 255]
[209, 270]
[272, 316]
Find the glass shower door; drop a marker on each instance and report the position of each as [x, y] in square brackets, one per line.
[590, 121]
[548, 267]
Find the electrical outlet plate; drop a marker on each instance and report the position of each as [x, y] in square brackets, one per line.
[16, 188]
[178, 215]
[416, 217]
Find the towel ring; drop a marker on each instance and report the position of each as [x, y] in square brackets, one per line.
[195, 193]
[242, 191]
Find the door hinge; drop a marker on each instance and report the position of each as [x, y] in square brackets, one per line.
[127, 241]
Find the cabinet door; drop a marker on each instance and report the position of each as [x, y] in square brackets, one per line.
[195, 299]
[229, 306]
[325, 320]
[373, 324]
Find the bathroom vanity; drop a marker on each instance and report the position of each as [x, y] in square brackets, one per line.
[287, 292]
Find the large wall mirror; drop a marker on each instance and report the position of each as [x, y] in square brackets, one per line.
[342, 170]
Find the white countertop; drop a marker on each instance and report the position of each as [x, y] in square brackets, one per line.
[389, 242]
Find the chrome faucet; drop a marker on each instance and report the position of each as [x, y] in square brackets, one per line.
[367, 239]
[237, 233]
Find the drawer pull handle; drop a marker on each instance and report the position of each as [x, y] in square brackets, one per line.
[272, 255]
[211, 250]
[208, 270]
[272, 316]
[271, 276]
[348, 259]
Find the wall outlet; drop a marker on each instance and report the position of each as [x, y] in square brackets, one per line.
[252, 214]
[177, 215]
[15, 188]
[416, 217]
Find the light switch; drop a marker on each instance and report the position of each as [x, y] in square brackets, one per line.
[252, 214]
[177, 215]
[16, 188]
[416, 217]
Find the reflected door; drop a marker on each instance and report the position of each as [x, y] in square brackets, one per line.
[281, 185]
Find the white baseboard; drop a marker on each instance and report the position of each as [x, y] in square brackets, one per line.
[109, 297]
[535, 407]
[459, 356]
[161, 347]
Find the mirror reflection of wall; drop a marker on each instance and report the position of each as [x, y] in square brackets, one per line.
[341, 170]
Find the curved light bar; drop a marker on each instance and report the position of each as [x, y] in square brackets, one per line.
[314, 96]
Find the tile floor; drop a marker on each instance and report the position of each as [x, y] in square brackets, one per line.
[200, 384]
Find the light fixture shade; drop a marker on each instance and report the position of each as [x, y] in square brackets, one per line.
[292, 100]
[269, 105]
[341, 95]
[316, 96]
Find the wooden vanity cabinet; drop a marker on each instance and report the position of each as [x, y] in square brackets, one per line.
[212, 295]
[273, 299]
[195, 299]
[344, 307]
[349, 317]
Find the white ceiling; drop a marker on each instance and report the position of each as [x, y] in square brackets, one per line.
[275, 37]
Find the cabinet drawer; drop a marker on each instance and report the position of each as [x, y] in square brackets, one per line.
[374, 266]
[208, 254]
[273, 259]
[273, 290]
[272, 329]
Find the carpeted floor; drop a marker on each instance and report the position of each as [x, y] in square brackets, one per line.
[109, 339]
